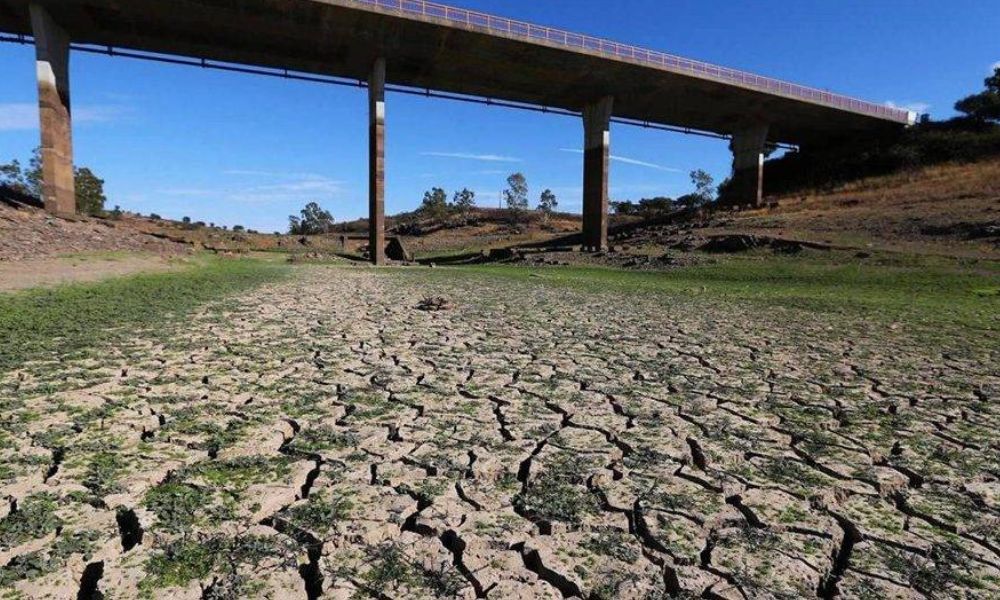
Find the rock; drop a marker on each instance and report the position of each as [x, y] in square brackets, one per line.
[787, 246]
[434, 304]
[502, 254]
[396, 250]
[729, 244]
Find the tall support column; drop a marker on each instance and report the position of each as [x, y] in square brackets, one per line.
[596, 156]
[748, 166]
[52, 67]
[376, 163]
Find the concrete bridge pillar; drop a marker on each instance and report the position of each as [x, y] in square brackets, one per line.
[748, 166]
[596, 156]
[376, 163]
[52, 67]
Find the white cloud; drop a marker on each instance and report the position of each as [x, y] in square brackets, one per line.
[271, 174]
[187, 192]
[917, 107]
[630, 161]
[294, 187]
[470, 156]
[18, 116]
[994, 67]
[100, 113]
[21, 116]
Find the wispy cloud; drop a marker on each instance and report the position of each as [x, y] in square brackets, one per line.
[100, 113]
[21, 116]
[630, 161]
[14, 117]
[271, 174]
[471, 156]
[285, 187]
[917, 107]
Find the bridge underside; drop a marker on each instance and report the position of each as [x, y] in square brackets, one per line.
[340, 38]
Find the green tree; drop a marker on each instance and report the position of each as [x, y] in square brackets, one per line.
[516, 196]
[435, 203]
[624, 207]
[464, 201]
[652, 206]
[90, 196]
[704, 186]
[313, 221]
[547, 203]
[33, 175]
[11, 176]
[984, 106]
[26, 180]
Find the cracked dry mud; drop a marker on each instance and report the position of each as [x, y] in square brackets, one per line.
[321, 437]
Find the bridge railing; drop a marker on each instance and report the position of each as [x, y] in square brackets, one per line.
[502, 26]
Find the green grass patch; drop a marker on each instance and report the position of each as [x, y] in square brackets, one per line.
[919, 291]
[46, 323]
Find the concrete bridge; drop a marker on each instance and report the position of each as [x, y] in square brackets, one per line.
[429, 46]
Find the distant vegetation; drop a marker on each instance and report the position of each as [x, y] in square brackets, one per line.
[547, 204]
[972, 136]
[516, 197]
[313, 220]
[704, 194]
[90, 196]
[437, 211]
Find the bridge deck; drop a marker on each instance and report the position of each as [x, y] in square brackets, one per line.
[436, 47]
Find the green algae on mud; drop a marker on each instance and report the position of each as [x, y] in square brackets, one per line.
[51, 323]
[919, 290]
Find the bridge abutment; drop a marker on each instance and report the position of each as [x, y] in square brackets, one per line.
[52, 68]
[596, 158]
[748, 145]
[376, 163]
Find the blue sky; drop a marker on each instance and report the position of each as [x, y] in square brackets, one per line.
[238, 149]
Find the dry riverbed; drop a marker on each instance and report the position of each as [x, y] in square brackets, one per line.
[47, 272]
[323, 437]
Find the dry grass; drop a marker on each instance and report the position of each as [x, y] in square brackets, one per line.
[933, 184]
[910, 212]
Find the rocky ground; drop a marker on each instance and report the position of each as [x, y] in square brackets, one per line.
[325, 437]
[31, 233]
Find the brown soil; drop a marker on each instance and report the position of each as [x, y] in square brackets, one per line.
[32, 233]
[323, 437]
[44, 272]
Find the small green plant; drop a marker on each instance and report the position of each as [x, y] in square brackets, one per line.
[391, 569]
[614, 544]
[239, 473]
[175, 505]
[34, 517]
[320, 513]
[189, 559]
[318, 439]
[558, 493]
[553, 498]
[103, 471]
